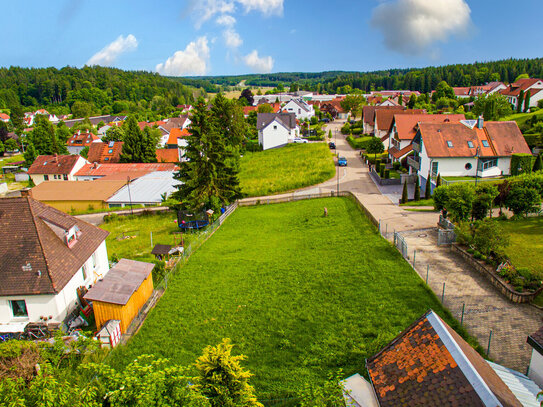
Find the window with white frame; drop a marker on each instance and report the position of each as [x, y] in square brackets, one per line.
[435, 165]
[488, 163]
[84, 272]
[93, 260]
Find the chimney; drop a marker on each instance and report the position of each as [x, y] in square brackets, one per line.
[480, 122]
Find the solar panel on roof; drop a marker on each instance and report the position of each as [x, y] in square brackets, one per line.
[111, 143]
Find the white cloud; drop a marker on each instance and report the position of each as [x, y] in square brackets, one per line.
[232, 38]
[192, 60]
[226, 20]
[266, 7]
[207, 9]
[107, 55]
[258, 64]
[412, 26]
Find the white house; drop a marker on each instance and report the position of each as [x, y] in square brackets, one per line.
[404, 129]
[78, 141]
[45, 255]
[532, 85]
[300, 108]
[55, 168]
[467, 148]
[276, 129]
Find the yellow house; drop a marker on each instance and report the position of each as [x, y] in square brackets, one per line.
[70, 196]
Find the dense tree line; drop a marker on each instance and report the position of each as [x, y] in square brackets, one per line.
[89, 90]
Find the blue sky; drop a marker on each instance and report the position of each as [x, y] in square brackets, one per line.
[226, 37]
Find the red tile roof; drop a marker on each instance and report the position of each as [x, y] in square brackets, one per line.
[33, 252]
[383, 117]
[522, 84]
[101, 170]
[429, 364]
[167, 155]
[53, 164]
[105, 152]
[368, 112]
[143, 125]
[400, 153]
[83, 139]
[4, 116]
[503, 138]
[175, 134]
[407, 124]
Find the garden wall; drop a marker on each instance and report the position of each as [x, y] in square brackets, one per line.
[489, 273]
[384, 181]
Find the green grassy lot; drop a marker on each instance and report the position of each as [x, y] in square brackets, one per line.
[7, 160]
[526, 244]
[422, 202]
[298, 293]
[284, 169]
[138, 229]
[521, 118]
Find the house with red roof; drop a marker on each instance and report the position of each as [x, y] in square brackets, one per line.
[4, 117]
[276, 107]
[167, 155]
[55, 168]
[80, 140]
[532, 85]
[93, 171]
[429, 364]
[110, 152]
[466, 148]
[383, 120]
[333, 107]
[46, 256]
[404, 129]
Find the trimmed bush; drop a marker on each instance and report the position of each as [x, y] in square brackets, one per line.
[396, 165]
[387, 174]
[521, 164]
[382, 171]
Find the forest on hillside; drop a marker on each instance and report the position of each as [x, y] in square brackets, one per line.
[421, 79]
[93, 90]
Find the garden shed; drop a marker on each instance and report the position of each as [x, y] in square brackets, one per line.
[122, 292]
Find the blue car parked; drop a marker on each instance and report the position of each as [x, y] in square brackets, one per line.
[342, 162]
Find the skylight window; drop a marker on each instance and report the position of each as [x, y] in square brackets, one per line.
[485, 143]
[470, 144]
[449, 143]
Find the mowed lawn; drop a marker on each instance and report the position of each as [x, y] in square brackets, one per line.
[130, 236]
[525, 242]
[284, 169]
[299, 294]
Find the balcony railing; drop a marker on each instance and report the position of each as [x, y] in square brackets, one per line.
[416, 147]
[413, 162]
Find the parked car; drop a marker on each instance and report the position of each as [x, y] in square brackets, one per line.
[300, 140]
[332, 145]
[325, 120]
[342, 162]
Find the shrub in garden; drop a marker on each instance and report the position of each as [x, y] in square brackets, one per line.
[387, 174]
[417, 189]
[405, 196]
[482, 204]
[464, 235]
[441, 197]
[459, 201]
[382, 171]
[438, 180]
[522, 200]
[489, 237]
[521, 164]
[538, 165]
[428, 189]
[396, 166]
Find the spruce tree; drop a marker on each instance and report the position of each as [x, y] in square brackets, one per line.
[527, 100]
[438, 180]
[139, 146]
[417, 189]
[428, 190]
[30, 154]
[405, 196]
[222, 379]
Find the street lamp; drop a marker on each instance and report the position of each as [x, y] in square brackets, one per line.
[477, 153]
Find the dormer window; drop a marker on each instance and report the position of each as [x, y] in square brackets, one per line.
[72, 235]
[470, 144]
[485, 143]
[449, 144]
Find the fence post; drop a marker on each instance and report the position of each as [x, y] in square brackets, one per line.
[386, 230]
[427, 271]
[489, 339]
[414, 257]
[443, 294]
[151, 239]
[379, 227]
[462, 318]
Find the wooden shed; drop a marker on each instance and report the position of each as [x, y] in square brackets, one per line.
[122, 292]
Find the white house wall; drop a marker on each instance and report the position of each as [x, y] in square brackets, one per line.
[456, 167]
[535, 371]
[274, 135]
[60, 305]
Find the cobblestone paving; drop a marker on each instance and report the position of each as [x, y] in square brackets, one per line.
[485, 308]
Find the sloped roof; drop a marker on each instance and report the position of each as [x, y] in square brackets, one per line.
[53, 164]
[107, 119]
[98, 190]
[400, 153]
[429, 364]
[384, 117]
[406, 124]
[368, 112]
[286, 119]
[503, 138]
[522, 84]
[147, 189]
[100, 152]
[177, 133]
[34, 256]
[81, 139]
[336, 104]
[167, 155]
[536, 340]
[120, 282]
[101, 170]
